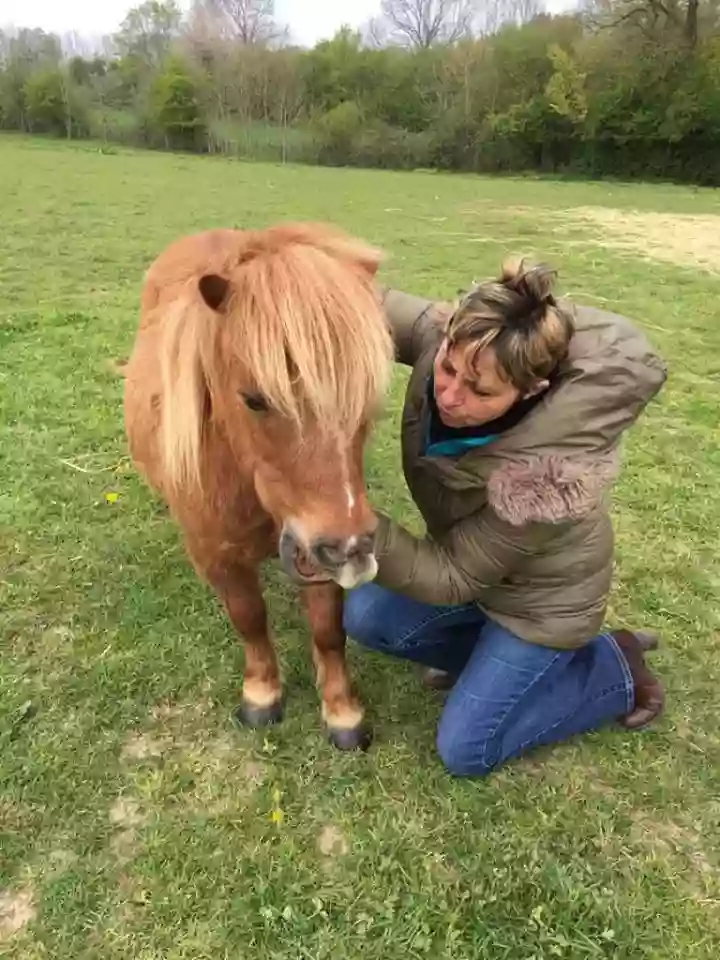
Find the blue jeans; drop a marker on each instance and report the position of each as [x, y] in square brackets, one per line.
[510, 695]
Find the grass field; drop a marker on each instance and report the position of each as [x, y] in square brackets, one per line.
[136, 820]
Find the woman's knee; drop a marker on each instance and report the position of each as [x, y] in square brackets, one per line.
[462, 759]
[362, 614]
[463, 755]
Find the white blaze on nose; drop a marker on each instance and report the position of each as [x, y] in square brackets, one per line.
[345, 475]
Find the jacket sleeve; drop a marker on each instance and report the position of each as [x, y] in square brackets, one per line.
[413, 322]
[476, 554]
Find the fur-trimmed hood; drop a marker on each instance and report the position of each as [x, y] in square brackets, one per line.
[550, 489]
[557, 465]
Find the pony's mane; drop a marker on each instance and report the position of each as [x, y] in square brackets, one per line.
[305, 321]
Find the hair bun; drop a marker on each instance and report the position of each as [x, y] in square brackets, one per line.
[534, 281]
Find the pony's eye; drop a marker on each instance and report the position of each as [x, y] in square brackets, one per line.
[255, 402]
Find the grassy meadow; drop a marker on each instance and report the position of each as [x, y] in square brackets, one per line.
[135, 819]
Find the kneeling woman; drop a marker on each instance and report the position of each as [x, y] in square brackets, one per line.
[513, 416]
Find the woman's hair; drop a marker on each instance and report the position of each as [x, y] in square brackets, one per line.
[519, 317]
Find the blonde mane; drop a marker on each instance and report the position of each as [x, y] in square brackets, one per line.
[304, 320]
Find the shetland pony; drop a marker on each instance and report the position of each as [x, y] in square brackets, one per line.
[259, 362]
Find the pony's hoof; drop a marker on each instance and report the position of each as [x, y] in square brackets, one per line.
[251, 716]
[350, 738]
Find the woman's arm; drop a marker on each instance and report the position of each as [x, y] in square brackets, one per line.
[477, 553]
[413, 322]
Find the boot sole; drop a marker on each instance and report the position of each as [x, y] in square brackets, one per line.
[647, 640]
[654, 710]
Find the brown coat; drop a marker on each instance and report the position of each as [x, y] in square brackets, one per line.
[521, 526]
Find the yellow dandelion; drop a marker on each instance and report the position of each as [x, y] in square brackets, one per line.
[276, 814]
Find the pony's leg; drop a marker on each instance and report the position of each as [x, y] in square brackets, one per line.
[262, 688]
[341, 709]
[239, 589]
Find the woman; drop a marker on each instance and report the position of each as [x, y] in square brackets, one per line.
[513, 416]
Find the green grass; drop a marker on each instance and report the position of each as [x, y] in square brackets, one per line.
[264, 141]
[136, 818]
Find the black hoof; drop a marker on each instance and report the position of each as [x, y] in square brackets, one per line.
[354, 738]
[252, 716]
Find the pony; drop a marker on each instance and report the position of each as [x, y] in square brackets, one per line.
[260, 362]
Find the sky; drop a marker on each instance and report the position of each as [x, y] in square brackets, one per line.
[309, 20]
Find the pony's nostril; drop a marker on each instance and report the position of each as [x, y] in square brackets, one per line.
[334, 553]
[359, 547]
[329, 553]
[365, 544]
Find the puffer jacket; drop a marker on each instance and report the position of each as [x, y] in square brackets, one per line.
[521, 525]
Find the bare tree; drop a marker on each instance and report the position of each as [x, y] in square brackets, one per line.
[691, 22]
[74, 44]
[651, 17]
[243, 21]
[490, 16]
[375, 33]
[243, 78]
[422, 23]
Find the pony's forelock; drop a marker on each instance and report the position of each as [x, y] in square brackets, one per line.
[306, 324]
[311, 334]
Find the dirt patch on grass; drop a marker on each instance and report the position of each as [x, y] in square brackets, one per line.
[172, 715]
[549, 766]
[61, 860]
[222, 781]
[684, 239]
[140, 746]
[184, 736]
[173, 724]
[169, 712]
[667, 838]
[691, 240]
[170, 726]
[253, 773]
[332, 842]
[17, 910]
[16, 819]
[125, 812]
[126, 815]
[443, 870]
[124, 845]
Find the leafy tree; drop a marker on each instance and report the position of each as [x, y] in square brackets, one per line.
[174, 108]
[53, 104]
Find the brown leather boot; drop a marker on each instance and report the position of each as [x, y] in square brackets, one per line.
[649, 693]
[436, 679]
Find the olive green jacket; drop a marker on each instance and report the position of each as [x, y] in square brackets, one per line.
[521, 526]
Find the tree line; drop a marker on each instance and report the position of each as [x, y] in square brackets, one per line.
[626, 88]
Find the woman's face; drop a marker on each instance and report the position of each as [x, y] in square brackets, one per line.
[469, 395]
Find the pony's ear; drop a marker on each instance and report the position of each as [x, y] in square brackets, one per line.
[214, 290]
[368, 258]
[371, 264]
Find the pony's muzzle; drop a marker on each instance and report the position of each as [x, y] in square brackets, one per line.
[349, 561]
